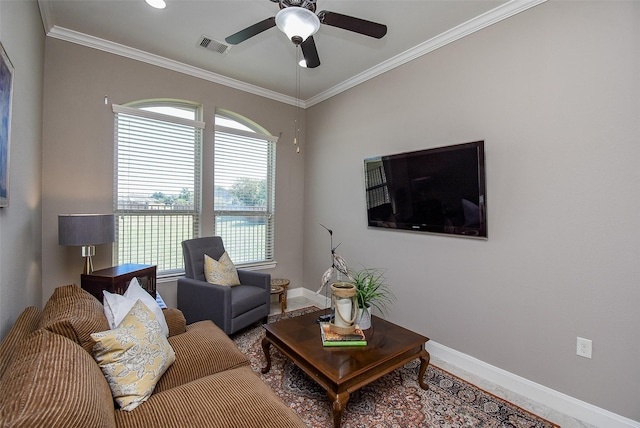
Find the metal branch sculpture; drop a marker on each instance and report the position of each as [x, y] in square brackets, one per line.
[337, 263]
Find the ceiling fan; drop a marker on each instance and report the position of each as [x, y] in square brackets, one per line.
[298, 20]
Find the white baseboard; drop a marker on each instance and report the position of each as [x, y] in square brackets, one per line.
[554, 406]
[555, 401]
[318, 300]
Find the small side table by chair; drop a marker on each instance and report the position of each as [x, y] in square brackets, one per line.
[282, 283]
[279, 291]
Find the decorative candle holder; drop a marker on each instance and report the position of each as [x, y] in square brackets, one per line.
[346, 309]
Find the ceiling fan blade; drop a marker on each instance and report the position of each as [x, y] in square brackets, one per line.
[357, 25]
[310, 52]
[251, 31]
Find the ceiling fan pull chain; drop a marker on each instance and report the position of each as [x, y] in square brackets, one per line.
[297, 119]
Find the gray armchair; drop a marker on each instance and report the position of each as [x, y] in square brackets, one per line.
[231, 308]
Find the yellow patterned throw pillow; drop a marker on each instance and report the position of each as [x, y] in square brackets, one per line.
[221, 272]
[133, 356]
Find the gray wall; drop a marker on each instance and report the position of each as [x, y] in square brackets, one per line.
[554, 92]
[79, 146]
[22, 36]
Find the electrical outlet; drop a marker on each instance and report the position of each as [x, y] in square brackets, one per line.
[583, 347]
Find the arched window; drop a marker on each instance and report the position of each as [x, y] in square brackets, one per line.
[158, 145]
[244, 188]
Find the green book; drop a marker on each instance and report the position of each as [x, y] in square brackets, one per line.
[329, 338]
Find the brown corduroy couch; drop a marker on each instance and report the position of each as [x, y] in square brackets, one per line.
[48, 377]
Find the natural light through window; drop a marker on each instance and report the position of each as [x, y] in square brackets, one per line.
[244, 189]
[157, 182]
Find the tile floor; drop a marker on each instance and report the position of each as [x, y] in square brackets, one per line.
[293, 303]
[539, 409]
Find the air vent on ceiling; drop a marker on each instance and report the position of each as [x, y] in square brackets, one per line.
[213, 45]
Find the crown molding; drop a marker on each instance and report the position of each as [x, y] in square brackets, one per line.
[491, 17]
[498, 14]
[45, 15]
[76, 37]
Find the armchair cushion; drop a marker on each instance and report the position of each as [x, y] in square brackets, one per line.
[244, 298]
[194, 251]
[221, 272]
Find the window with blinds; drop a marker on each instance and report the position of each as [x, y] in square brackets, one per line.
[157, 182]
[244, 189]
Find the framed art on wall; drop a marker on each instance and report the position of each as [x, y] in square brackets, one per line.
[6, 90]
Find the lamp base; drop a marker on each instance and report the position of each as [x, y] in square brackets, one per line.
[87, 252]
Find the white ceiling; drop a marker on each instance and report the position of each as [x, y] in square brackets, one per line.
[265, 64]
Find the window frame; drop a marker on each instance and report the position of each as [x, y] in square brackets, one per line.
[137, 109]
[252, 131]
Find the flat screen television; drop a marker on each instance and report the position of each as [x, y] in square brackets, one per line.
[440, 190]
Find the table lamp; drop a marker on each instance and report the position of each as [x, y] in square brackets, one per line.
[87, 231]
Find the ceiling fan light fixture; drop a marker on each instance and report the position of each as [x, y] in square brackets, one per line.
[158, 4]
[297, 23]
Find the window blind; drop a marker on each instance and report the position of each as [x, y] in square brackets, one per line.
[157, 186]
[244, 194]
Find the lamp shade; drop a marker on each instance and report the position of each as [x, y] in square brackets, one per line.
[296, 22]
[86, 229]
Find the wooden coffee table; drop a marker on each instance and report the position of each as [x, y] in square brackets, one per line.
[341, 370]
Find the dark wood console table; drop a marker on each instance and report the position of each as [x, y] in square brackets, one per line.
[116, 279]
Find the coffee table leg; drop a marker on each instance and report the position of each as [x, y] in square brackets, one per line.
[424, 362]
[339, 402]
[266, 344]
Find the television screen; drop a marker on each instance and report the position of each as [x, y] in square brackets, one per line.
[439, 190]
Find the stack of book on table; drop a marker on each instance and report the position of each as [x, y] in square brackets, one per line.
[329, 338]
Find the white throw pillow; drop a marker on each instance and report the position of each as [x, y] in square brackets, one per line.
[117, 306]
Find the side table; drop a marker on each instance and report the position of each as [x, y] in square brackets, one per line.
[282, 298]
[116, 279]
[279, 291]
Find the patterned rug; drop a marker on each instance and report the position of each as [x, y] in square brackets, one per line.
[395, 400]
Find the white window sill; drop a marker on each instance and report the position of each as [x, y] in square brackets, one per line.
[174, 275]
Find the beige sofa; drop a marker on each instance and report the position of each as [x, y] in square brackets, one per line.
[48, 377]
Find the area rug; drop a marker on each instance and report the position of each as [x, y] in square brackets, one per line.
[395, 400]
